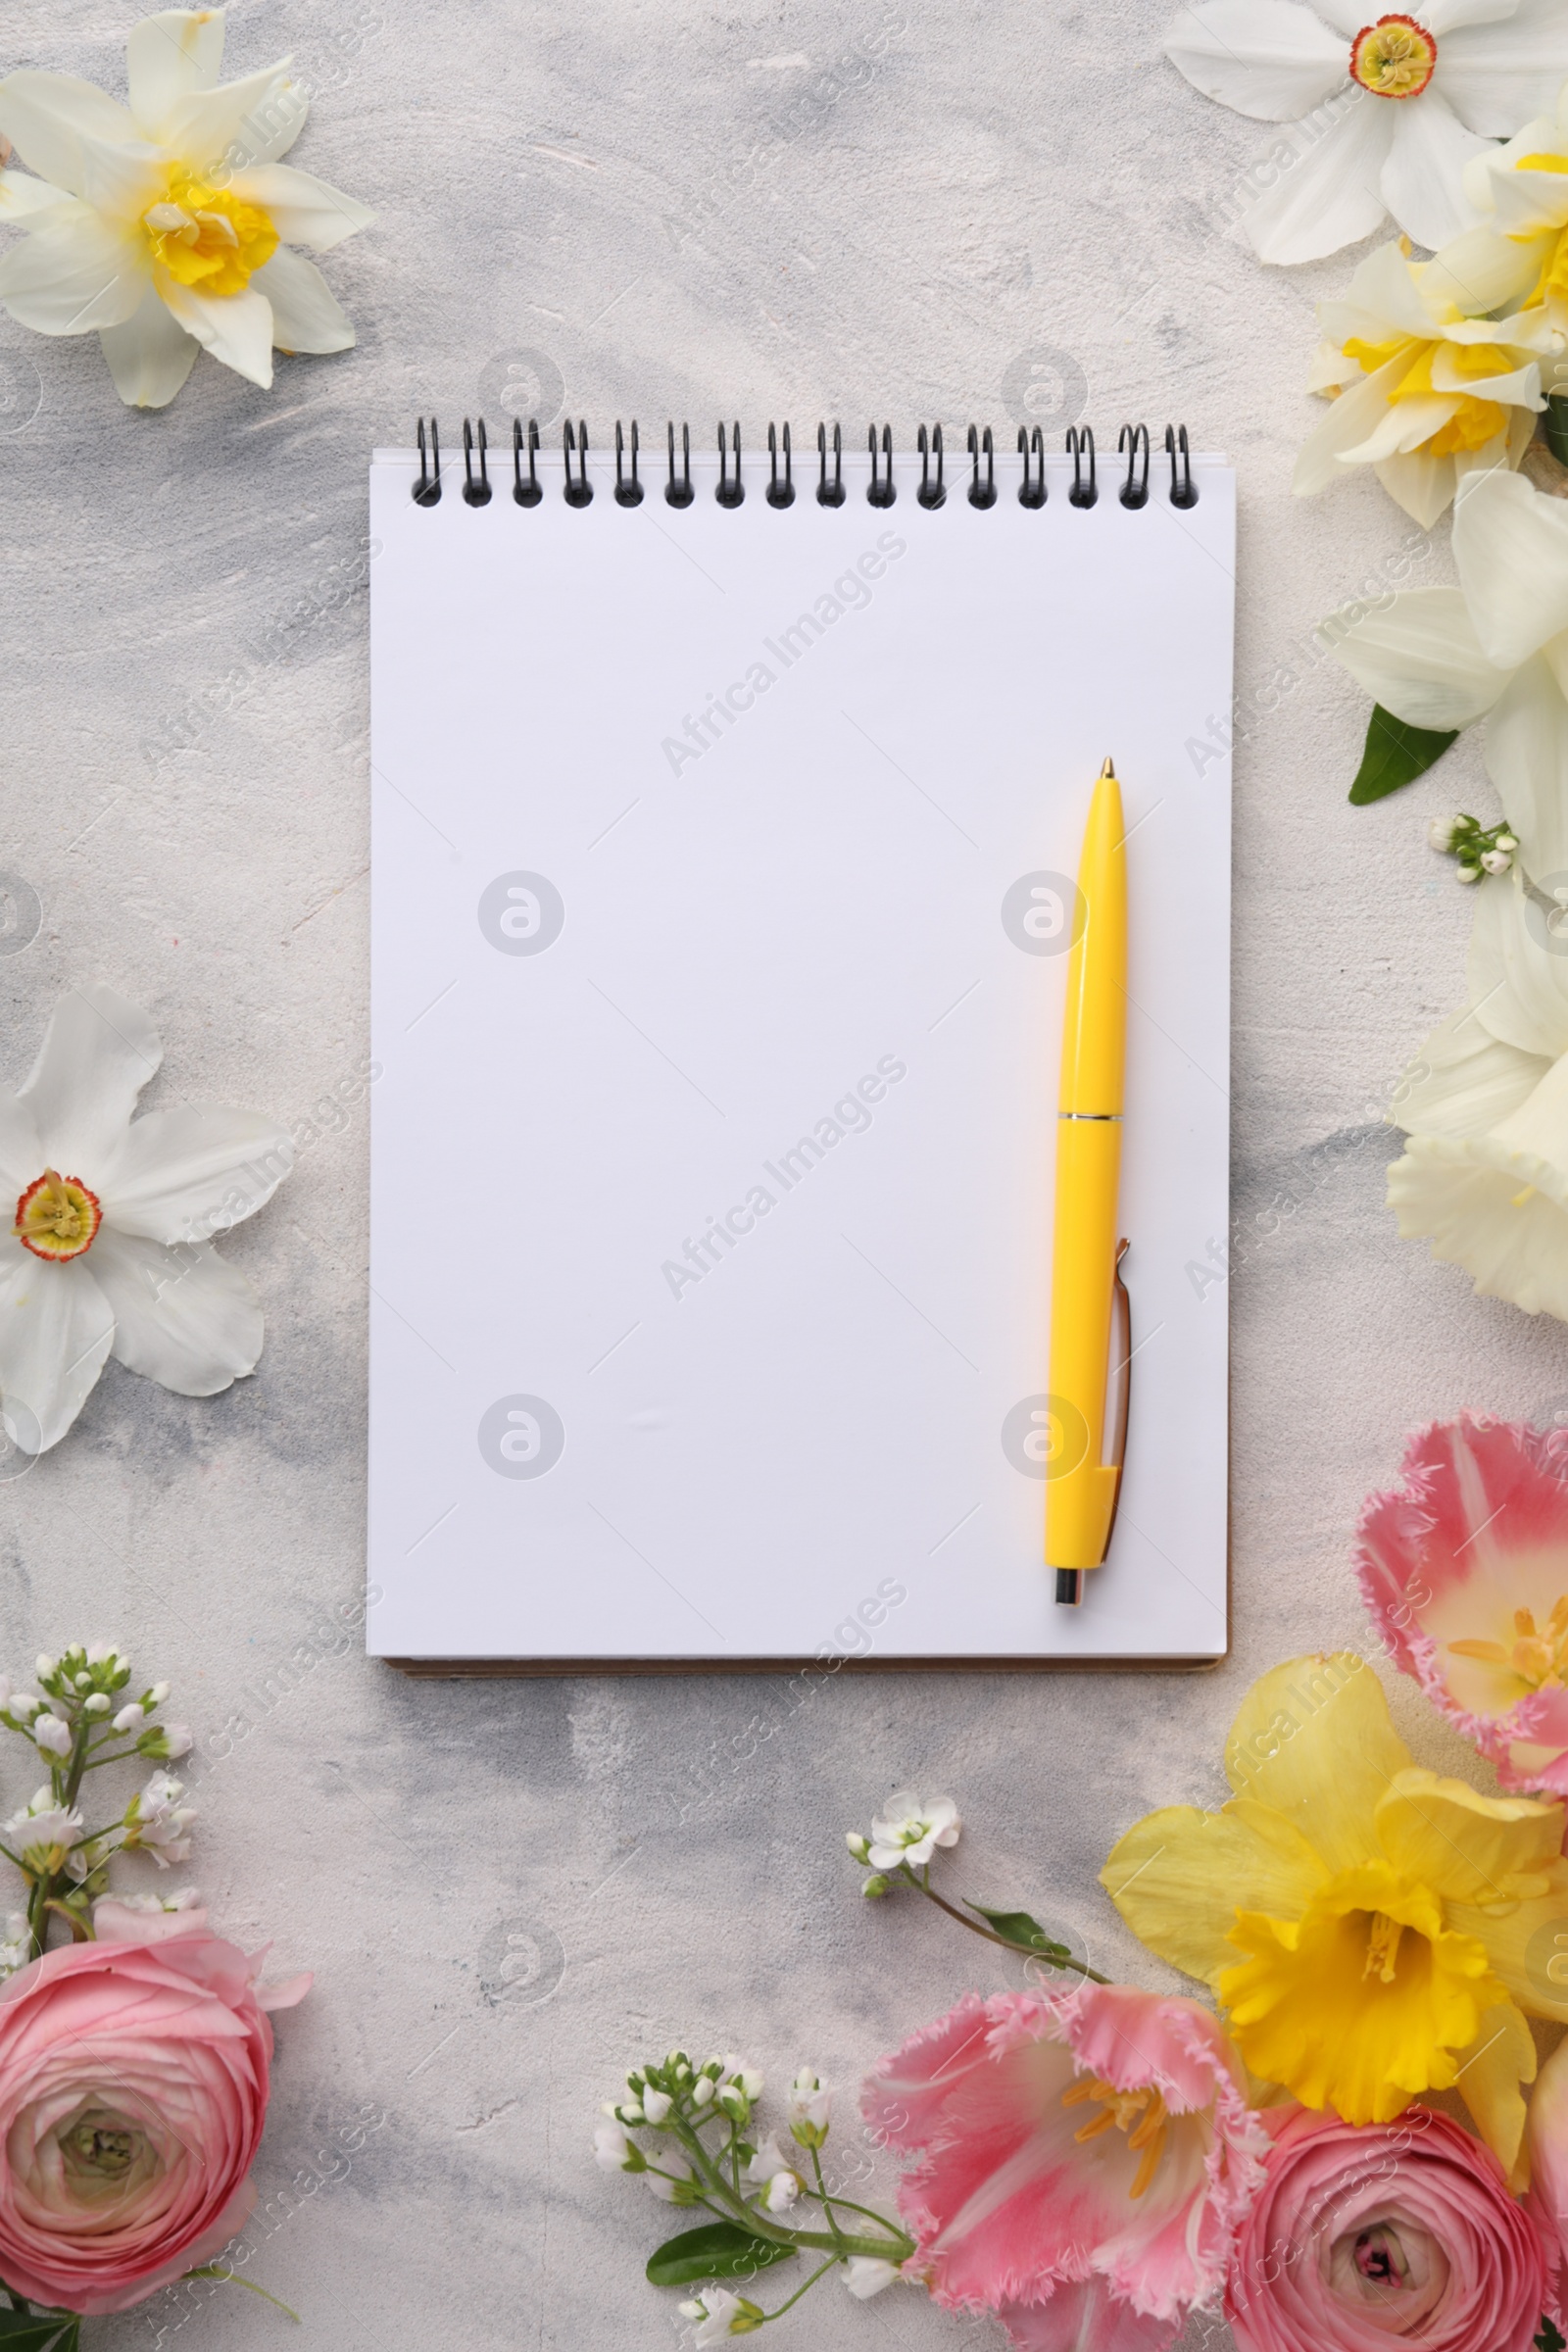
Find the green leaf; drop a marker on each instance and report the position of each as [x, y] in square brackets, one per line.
[718, 2250]
[1550, 2340]
[34, 2332]
[1557, 443]
[1017, 1928]
[1395, 755]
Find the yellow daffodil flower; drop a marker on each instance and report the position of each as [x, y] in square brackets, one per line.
[1373, 1929]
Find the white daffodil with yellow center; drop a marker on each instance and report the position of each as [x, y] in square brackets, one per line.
[1520, 191]
[1373, 1930]
[109, 1240]
[1384, 112]
[1425, 386]
[166, 226]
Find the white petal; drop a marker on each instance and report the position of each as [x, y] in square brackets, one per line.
[1444, 17]
[1463, 1080]
[306, 313]
[1419, 657]
[1479, 271]
[1423, 485]
[97, 1054]
[1527, 758]
[45, 116]
[167, 56]
[54, 1333]
[1422, 179]
[150, 355]
[77, 272]
[304, 210]
[1496, 76]
[122, 178]
[1518, 980]
[22, 1155]
[1473, 1218]
[1511, 548]
[1390, 290]
[1360, 408]
[1404, 425]
[236, 329]
[1326, 194]
[1346, 15]
[239, 125]
[186, 1174]
[23, 198]
[1517, 388]
[1270, 59]
[182, 1317]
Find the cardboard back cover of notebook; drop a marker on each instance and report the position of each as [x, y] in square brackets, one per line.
[722, 887]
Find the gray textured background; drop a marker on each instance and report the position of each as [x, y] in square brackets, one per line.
[783, 210]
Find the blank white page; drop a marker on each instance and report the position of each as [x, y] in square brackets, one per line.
[718, 997]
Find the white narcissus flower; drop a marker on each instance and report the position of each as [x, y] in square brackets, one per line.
[1521, 191]
[166, 226]
[910, 1830]
[1397, 106]
[111, 1249]
[866, 2275]
[1426, 389]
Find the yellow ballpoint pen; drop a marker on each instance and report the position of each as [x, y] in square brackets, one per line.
[1090, 1323]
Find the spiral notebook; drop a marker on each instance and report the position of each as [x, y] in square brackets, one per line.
[724, 821]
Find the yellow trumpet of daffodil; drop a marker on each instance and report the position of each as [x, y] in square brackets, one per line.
[1373, 1929]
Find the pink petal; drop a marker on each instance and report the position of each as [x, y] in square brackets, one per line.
[1085, 2319]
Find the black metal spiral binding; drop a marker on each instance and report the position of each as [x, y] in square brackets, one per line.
[1134, 439]
[779, 493]
[1081, 444]
[629, 489]
[931, 494]
[1181, 492]
[428, 489]
[729, 493]
[983, 493]
[526, 493]
[1133, 443]
[579, 489]
[1033, 490]
[476, 493]
[882, 492]
[679, 493]
[830, 493]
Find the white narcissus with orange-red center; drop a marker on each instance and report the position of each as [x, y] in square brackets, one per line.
[166, 225]
[1384, 111]
[107, 1246]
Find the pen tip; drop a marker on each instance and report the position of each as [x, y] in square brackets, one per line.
[1108, 770]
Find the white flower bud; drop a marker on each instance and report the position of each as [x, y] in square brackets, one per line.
[780, 2193]
[83, 1681]
[858, 1845]
[43, 1665]
[1468, 873]
[751, 2082]
[98, 1704]
[1506, 841]
[1496, 861]
[704, 2090]
[99, 1653]
[129, 1719]
[158, 1694]
[1439, 833]
[657, 2105]
[52, 1736]
[865, 2274]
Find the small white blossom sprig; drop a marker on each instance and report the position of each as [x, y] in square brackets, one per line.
[1479, 849]
[899, 1851]
[709, 2151]
[78, 1719]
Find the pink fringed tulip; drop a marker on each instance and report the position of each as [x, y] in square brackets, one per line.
[1404, 2232]
[1086, 2157]
[1465, 1570]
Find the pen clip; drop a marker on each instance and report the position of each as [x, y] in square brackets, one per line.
[1121, 1345]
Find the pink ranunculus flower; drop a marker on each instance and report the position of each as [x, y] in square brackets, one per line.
[1367, 2233]
[1465, 1571]
[134, 2080]
[1546, 2152]
[1086, 2157]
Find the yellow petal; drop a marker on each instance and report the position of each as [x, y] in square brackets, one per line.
[1178, 1877]
[1488, 2078]
[1469, 1848]
[1363, 2002]
[1314, 1740]
[1527, 1944]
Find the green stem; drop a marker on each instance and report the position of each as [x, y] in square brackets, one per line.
[823, 2198]
[79, 1761]
[990, 1936]
[777, 2313]
[867, 2212]
[838, 2243]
